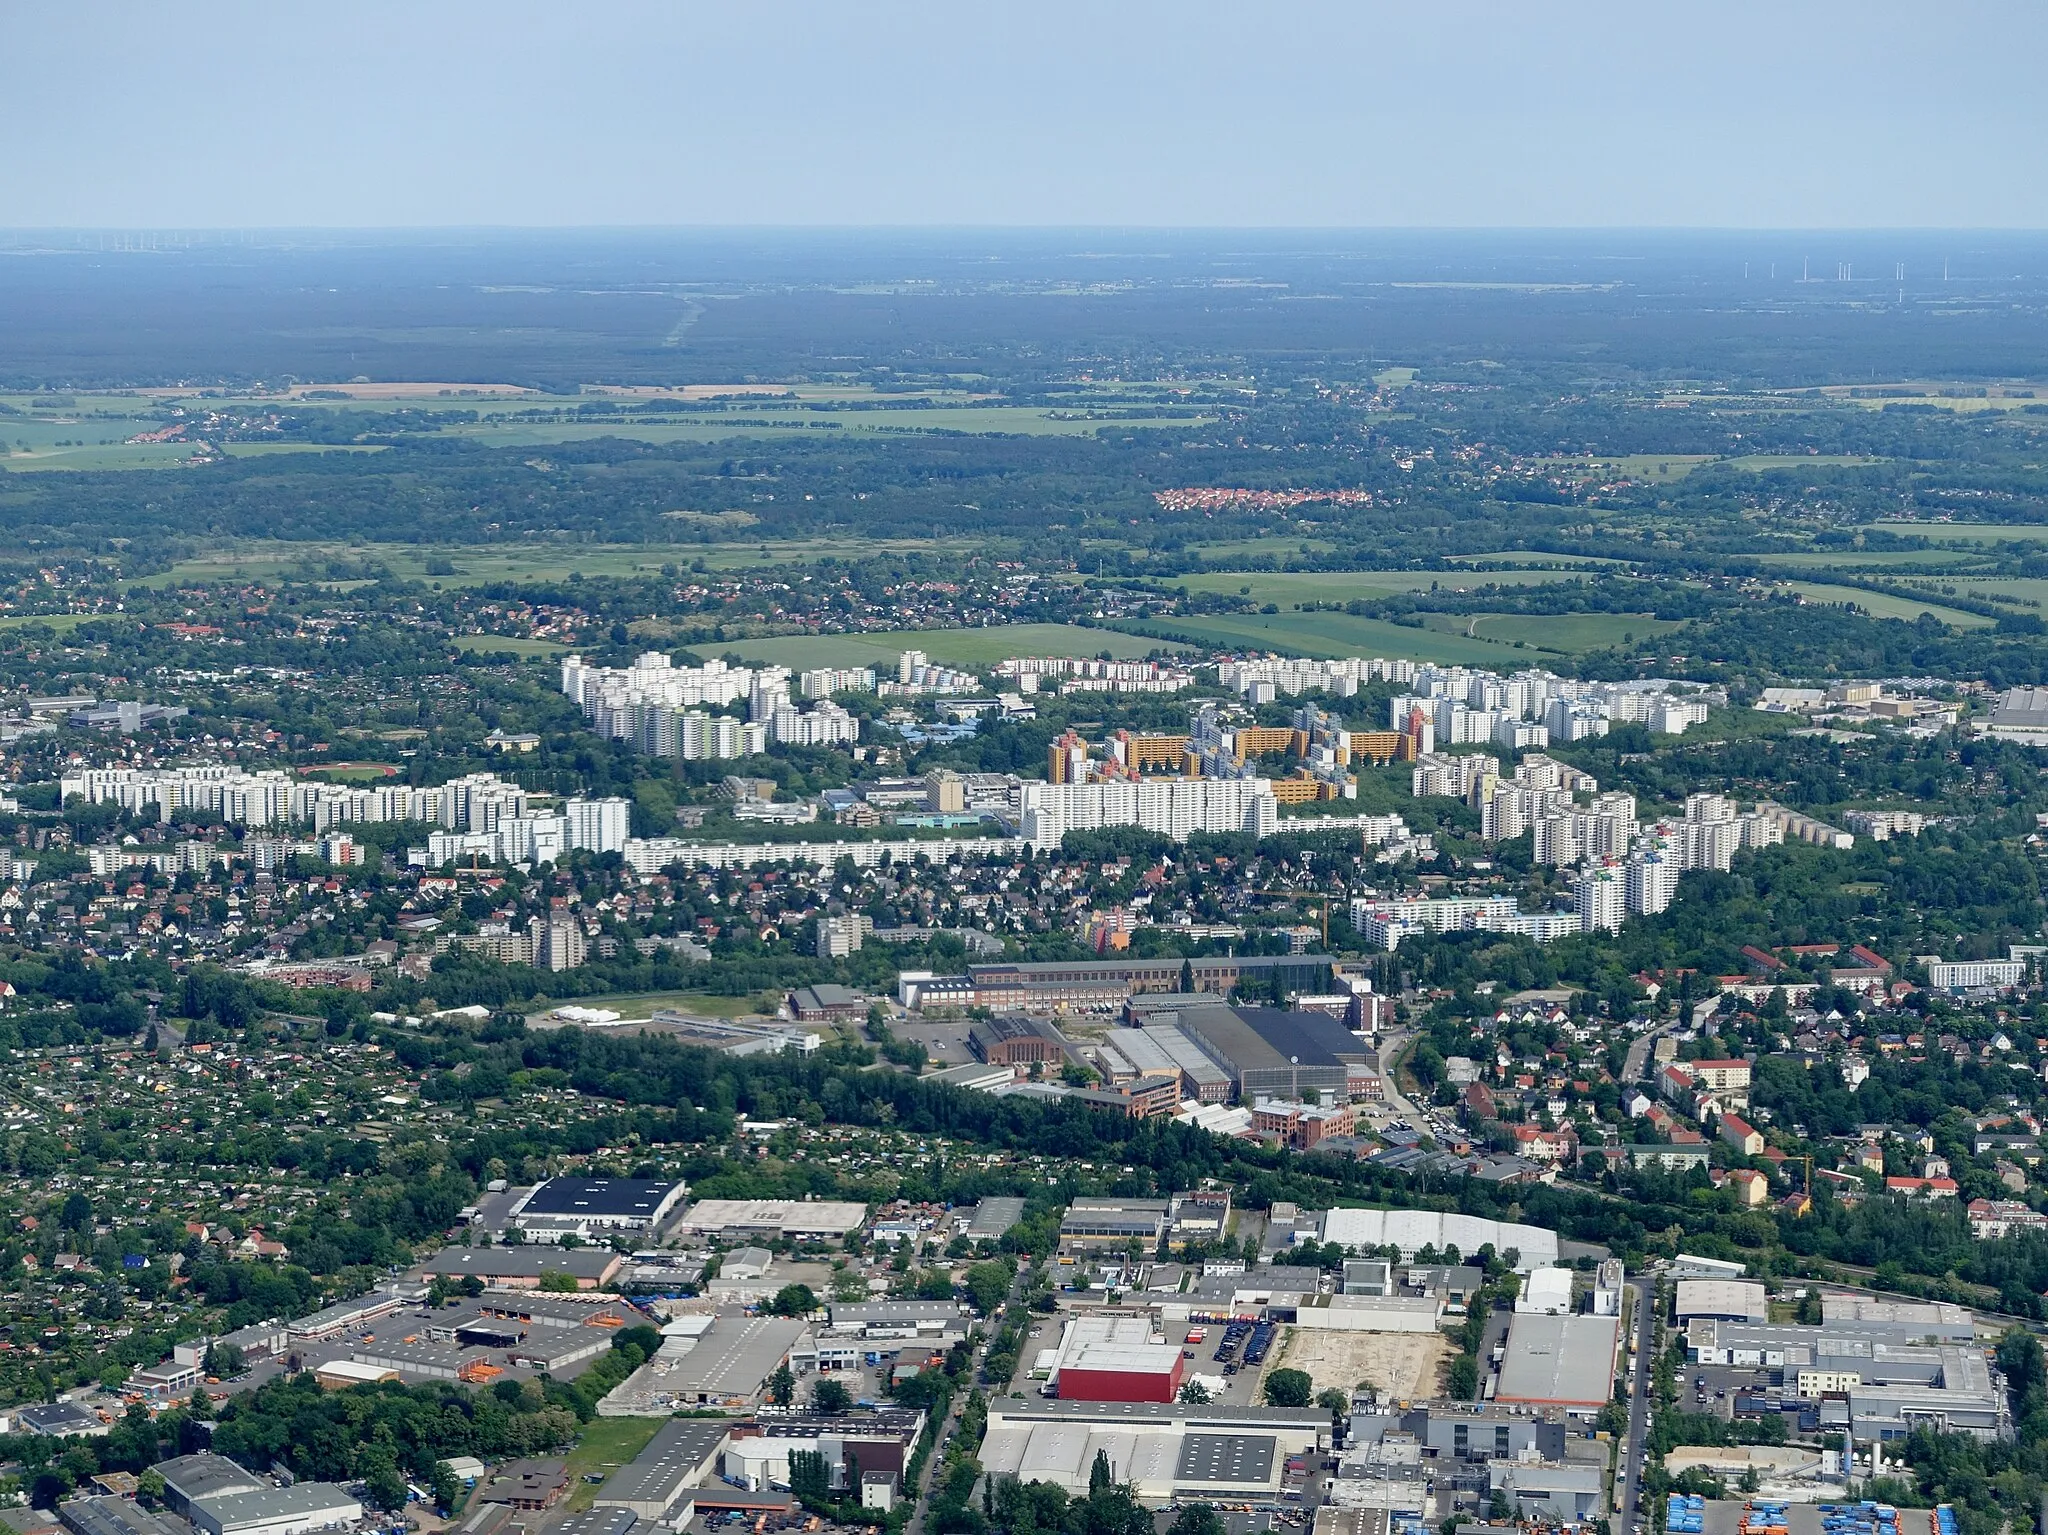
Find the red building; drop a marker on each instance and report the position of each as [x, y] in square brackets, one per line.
[1116, 1359]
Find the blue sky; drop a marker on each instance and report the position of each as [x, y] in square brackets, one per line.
[1790, 114]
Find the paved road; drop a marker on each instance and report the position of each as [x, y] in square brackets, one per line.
[1629, 1474]
[969, 1379]
[1638, 1064]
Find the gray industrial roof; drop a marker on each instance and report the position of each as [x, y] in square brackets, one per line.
[735, 1356]
[995, 1215]
[110, 1516]
[619, 1197]
[521, 1262]
[1563, 1360]
[672, 1456]
[1207, 1459]
[206, 1474]
[239, 1510]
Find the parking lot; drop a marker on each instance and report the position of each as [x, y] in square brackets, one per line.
[945, 1042]
[1723, 1383]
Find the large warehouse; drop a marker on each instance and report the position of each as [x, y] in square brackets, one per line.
[829, 1219]
[1220, 1453]
[293, 1510]
[1559, 1361]
[597, 1208]
[1413, 1230]
[1725, 1300]
[1116, 1359]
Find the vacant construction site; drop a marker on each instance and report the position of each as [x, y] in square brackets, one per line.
[1409, 1365]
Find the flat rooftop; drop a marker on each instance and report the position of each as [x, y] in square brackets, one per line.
[1562, 1361]
[825, 1217]
[672, 1456]
[613, 1198]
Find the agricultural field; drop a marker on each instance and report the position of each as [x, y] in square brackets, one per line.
[949, 647]
[1884, 605]
[477, 564]
[1970, 532]
[499, 644]
[1569, 633]
[1287, 587]
[1655, 467]
[1536, 558]
[1333, 635]
[2029, 592]
[1870, 559]
[95, 431]
[1762, 461]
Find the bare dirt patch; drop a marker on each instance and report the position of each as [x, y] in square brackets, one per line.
[1407, 1364]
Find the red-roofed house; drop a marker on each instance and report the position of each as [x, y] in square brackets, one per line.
[1740, 1134]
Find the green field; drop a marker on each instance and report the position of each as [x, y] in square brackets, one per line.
[1281, 547]
[2032, 591]
[1287, 587]
[1884, 605]
[1870, 559]
[94, 432]
[476, 564]
[1970, 532]
[1535, 557]
[1336, 635]
[1568, 633]
[62, 623]
[1761, 461]
[602, 1446]
[494, 644]
[1635, 466]
[949, 647]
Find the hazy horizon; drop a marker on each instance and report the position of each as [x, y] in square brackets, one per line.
[1590, 115]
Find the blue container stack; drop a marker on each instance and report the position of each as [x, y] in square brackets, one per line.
[1865, 1518]
[1685, 1515]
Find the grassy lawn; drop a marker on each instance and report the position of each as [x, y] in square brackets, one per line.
[1662, 467]
[1277, 548]
[2032, 591]
[604, 1445]
[1801, 461]
[950, 647]
[1287, 587]
[490, 644]
[62, 623]
[475, 564]
[1871, 559]
[1883, 605]
[1335, 635]
[1565, 633]
[1534, 557]
[1970, 532]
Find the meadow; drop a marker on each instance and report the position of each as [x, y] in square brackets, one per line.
[92, 432]
[1287, 587]
[1884, 605]
[948, 647]
[1970, 532]
[1335, 635]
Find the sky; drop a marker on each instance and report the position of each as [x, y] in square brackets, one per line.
[1782, 114]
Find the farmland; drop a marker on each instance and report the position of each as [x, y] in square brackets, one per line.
[953, 647]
